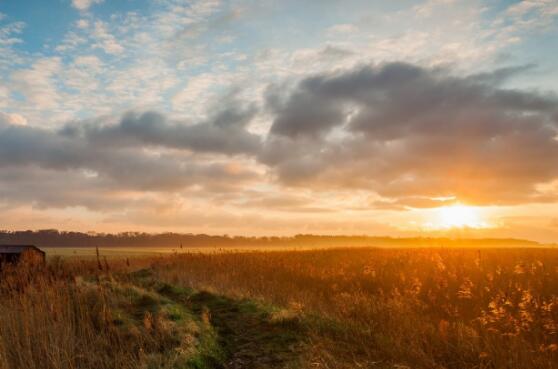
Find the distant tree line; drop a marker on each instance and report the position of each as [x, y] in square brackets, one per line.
[55, 238]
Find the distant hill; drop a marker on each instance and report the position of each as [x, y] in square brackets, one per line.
[55, 238]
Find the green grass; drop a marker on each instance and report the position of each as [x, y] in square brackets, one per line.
[181, 339]
[240, 333]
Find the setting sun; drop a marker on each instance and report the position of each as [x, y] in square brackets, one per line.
[459, 216]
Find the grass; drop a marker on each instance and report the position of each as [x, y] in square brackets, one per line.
[249, 334]
[356, 308]
[422, 308]
[123, 252]
[53, 318]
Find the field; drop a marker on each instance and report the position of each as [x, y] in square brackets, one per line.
[123, 252]
[339, 308]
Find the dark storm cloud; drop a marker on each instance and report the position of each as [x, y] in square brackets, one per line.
[409, 132]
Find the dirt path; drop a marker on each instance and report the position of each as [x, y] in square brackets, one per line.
[251, 336]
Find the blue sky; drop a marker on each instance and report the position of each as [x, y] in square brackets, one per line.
[197, 38]
[81, 73]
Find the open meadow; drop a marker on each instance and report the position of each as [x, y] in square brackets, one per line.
[338, 308]
[134, 252]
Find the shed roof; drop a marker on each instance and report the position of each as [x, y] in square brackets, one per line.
[18, 249]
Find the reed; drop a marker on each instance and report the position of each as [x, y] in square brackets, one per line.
[424, 308]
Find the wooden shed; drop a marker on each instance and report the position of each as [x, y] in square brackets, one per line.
[15, 253]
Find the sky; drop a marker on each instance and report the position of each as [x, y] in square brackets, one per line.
[398, 118]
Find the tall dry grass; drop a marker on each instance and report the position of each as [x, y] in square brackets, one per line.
[423, 308]
[75, 315]
[49, 321]
[367, 308]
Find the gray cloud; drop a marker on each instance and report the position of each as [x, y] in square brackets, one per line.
[142, 152]
[408, 132]
[413, 135]
[224, 132]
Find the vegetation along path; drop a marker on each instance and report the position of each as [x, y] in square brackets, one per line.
[249, 335]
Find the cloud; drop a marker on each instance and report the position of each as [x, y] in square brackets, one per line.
[10, 37]
[88, 61]
[198, 89]
[343, 28]
[223, 133]
[82, 23]
[91, 163]
[84, 4]
[408, 132]
[37, 83]
[12, 119]
[105, 40]
[401, 135]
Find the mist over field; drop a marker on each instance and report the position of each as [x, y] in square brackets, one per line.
[54, 238]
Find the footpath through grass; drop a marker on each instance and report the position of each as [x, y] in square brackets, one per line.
[247, 335]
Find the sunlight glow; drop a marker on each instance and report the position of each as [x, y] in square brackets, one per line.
[459, 216]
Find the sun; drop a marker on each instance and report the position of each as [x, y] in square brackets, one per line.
[459, 216]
